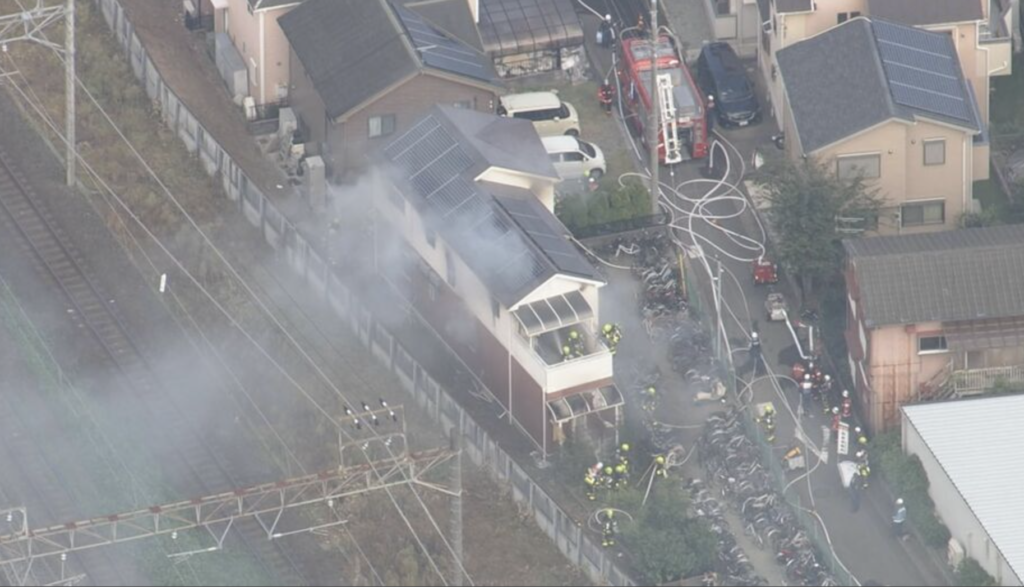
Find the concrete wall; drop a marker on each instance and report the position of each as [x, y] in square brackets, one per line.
[580, 548]
[956, 512]
[263, 46]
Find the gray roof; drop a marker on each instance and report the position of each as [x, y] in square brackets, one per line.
[376, 43]
[450, 16]
[926, 12]
[969, 274]
[867, 71]
[510, 27]
[783, 6]
[505, 235]
[977, 443]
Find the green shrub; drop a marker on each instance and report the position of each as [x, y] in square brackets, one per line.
[970, 573]
[667, 545]
[908, 479]
[606, 205]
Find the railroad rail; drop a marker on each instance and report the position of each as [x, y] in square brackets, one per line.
[66, 265]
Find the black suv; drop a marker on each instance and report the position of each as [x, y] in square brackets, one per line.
[721, 75]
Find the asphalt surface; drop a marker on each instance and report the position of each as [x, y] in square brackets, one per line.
[861, 540]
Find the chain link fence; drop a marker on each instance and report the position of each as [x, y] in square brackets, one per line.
[705, 312]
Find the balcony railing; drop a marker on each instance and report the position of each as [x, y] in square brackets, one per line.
[975, 381]
[555, 374]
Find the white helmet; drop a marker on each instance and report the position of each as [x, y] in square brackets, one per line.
[899, 501]
[754, 335]
[828, 377]
[608, 18]
[846, 393]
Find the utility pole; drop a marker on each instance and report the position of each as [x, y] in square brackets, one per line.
[656, 110]
[456, 482]
[718, 307]
[69, 89]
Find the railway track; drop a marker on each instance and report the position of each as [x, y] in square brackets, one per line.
[59, 258]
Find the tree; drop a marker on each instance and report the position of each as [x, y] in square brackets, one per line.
[808, 205]
[971, 573]
[665, 544]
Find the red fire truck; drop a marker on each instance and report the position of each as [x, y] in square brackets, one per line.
[684, 132]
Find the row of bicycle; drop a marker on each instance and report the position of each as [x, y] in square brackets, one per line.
[732, 461]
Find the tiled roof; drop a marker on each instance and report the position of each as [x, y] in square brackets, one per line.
[867, 71]
[354, 49]
[926, 12]
[969, 274]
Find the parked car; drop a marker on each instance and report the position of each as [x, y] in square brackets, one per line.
[550, 115]
[721, 76]
[574, 158]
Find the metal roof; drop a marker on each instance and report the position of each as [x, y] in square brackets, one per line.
[554, 313]
[969, 274]
[376, 43]
[510, 27]
[451, 16]
[977, 443]
[926, 12]
[867, 71]
[511, 242]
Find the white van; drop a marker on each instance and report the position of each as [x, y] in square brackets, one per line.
[574, 158]
[549, 114]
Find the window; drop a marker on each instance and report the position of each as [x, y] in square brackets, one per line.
[935, 152]
[495, 309]
[864, 166]
[845, 16]
[924, 214]
[431, 236]
[573, 156]
[449, 266]
[929, 345]
[382, 126]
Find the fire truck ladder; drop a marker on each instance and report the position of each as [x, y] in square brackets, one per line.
[669, 127]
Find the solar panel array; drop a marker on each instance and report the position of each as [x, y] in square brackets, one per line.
[545, 231]
[440, 51]
[484, 234]
[923, 71]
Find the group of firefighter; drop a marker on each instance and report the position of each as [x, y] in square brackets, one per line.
[606, 36]
[573, 348]
[815, 385]
[612, 476]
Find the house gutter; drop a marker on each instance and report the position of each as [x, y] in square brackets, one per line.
[263, 60]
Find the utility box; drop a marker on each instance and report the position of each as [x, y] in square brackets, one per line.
[316, 182]
[231, 67]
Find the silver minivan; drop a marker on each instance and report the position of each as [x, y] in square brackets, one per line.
[574, 158]
[549, 114]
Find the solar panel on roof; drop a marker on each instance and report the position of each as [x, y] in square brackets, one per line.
[922, 71]
[438, 50]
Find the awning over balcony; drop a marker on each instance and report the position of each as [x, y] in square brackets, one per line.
[588, 402]
[978, 335]
[554, 313]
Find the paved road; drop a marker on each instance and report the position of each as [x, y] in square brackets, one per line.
[861, 540]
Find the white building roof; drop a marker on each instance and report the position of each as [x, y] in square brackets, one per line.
[978, 444]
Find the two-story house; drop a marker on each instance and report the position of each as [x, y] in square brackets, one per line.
[981, 33]
[468, 236]
[363, 71]
[889, 103]
[251, 26]
[932, 316]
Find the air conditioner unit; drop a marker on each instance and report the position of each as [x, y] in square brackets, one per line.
[249, 106]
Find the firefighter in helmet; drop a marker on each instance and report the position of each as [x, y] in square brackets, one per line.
[650, 399]
[608, 528]
[576, 343]
[605, 95]
[767, 420]
[660, 468]
[607, 32]
[590, 484]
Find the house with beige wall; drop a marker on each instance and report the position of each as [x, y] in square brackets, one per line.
[364, 71]
[888, 103]
[934, 316]
[252, 27]
[982, 34]
[466, 233]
